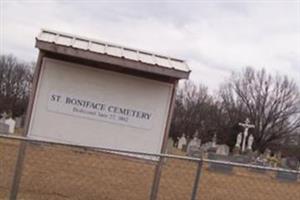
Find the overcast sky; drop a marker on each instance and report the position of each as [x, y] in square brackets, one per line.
[214, 37]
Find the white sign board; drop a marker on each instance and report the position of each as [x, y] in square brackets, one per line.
[83, 105]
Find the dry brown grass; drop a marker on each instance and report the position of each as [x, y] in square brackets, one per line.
[60, 173]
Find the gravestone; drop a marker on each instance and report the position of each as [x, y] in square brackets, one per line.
[219, 167]
[182, 142]
[283, 163]
[11, 125]
[19, 122]
[267, 153]
[250, 142]
[288, 163]
[213, 148]
[223, 150]
[292, 163]
[243, 159]
[193, 148]
[204, 147]
[260, 163]
[214, 156]
[287, 176]
[4, 128]
[266, 157]
[222, 154]
[3, 117]
[237, 146]
[170, 145]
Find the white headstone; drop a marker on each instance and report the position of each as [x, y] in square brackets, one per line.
[19, 121]
[223, 150]
[3, 128]
[196, 142]
[182, 141]
[214, 141]
[239, 140]
[170, 145]
[194, 145]
[267, 153]
[3, 117]
[206, 146]
[250, 142]
[11, 123]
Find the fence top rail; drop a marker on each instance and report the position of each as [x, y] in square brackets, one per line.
[29, 139]
[101, 149]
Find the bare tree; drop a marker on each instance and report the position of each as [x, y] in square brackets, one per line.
[194, 111]
[271, 102]
[15, 82]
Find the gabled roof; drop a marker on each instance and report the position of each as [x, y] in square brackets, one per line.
[90, 49]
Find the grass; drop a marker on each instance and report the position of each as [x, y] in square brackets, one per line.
[60, 173]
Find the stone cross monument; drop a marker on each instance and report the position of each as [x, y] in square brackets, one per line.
[246, 126]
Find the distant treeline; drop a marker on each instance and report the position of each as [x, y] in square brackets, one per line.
[15, 84]
[271, 102]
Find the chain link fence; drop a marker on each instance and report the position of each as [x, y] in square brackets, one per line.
[60, 172]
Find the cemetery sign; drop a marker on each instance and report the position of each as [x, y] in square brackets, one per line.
[98, 94]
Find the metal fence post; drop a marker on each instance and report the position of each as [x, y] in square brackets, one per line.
[197, 180]
[22, 149]
[18, 171]
[156, 179]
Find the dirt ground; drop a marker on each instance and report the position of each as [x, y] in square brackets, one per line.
[61, 173]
